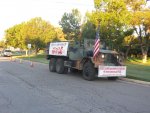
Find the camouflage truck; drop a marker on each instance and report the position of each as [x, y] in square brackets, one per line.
[79, 56]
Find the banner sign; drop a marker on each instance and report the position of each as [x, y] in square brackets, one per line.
[58, 48]
[110, 71]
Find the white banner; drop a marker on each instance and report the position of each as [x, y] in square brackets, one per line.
[58, 48]
[112, 71]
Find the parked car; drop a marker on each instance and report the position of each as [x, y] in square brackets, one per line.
[6, 52]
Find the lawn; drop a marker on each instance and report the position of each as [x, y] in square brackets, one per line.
[36, 58]
[138, 70]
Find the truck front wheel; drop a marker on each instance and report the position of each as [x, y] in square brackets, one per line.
[89, 72]
[52, 65]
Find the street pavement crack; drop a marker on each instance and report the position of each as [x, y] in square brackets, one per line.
[23, 80]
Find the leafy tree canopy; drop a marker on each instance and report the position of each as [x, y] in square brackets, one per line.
[70, 23]
[36, 31]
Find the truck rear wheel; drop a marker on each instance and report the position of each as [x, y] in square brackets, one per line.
[89, 72]
[52, 65]
[60, 68]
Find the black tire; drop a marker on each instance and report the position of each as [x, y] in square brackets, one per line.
[89, 72]
[60, 68]
[112, 78]
[52, 65]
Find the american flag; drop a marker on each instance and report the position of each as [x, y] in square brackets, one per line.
[96, 45]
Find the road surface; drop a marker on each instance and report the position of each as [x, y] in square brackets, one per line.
[25, 89]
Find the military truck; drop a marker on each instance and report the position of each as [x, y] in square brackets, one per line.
[68, 55]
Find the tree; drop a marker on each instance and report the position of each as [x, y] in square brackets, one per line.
[128, 42]
[60, 34]
[88, 30]
[38, 32]
[14, 37]
[118, 18]
[2, 44]
[70, 23]
[113, 17]
[141, 24]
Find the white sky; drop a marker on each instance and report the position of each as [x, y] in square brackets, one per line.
[16, 11]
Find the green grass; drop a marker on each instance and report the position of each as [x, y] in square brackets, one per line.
[138, 70]
[18, 53]
[138, 61]
[35, 58]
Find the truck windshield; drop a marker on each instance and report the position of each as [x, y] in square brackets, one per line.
[110, 58]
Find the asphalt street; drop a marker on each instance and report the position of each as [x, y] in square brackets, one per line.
[25, 89]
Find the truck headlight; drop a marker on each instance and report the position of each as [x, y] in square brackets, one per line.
[103, 55]
[117, 57]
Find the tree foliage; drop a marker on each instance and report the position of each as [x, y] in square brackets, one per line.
[60, 34]
[36, 31]
[113, 17]
[141, 24]
[123, 18]
[2, 44]
[88, 30]
[14, 36]
[70, 23]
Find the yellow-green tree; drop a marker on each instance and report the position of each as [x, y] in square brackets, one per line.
[60, 34]
[36, 32]
[113, 17]
[141, 24]
[13, 36]
[2, 44]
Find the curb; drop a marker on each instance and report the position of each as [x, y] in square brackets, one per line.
[135, 81]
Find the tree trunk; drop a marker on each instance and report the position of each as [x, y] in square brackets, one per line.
[36, 51]
[26, 52]
[127, 52]
[145, 58]
[144, 54]
[144, 48]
